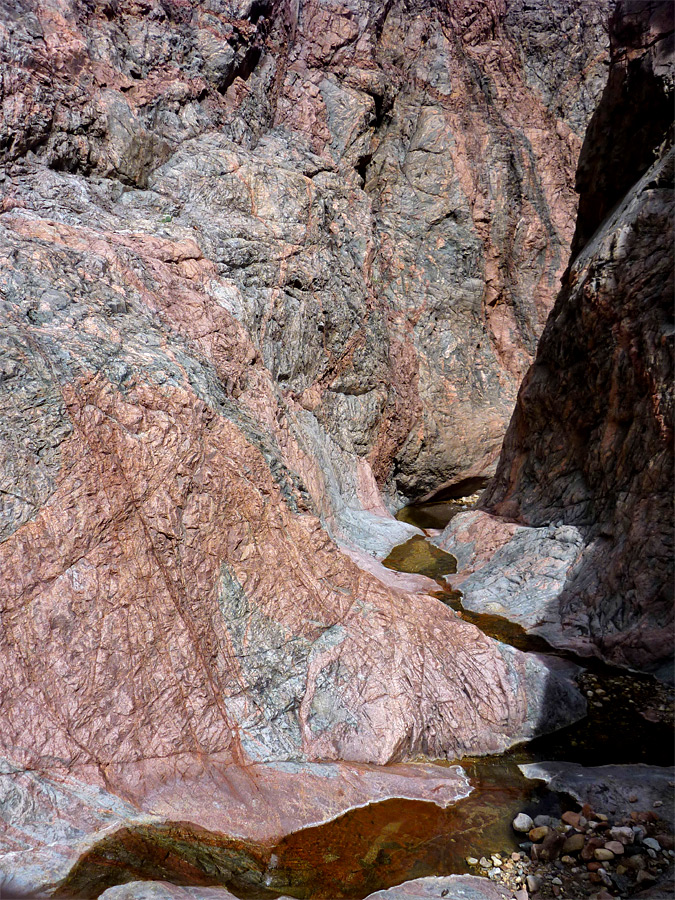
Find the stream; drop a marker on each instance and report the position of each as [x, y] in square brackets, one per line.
[386, 843]
[383, 844]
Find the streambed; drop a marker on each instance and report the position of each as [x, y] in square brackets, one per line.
[389, 842]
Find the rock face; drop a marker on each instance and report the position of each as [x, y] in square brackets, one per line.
[619, 790]
[384, 192]
[262, 265]
[587, 461]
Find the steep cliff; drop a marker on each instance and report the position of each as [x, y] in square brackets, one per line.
[384, 191]
[262, 264]
[588, 458]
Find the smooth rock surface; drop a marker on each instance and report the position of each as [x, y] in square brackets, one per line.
[609, 788]
[458, 887]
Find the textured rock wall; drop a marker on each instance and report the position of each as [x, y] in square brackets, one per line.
[590, 443]
[384, 190]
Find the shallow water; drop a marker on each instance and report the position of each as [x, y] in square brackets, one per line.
[386, 843]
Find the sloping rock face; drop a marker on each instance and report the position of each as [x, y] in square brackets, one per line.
[588, 457]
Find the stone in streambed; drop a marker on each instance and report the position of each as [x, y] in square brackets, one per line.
[574, 843]
[538, 834]
[616, 847]
[602, 854]
[522, 823]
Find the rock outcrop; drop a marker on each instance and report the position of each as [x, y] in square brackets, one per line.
[384, 192]
[264, 268]
[586, 470]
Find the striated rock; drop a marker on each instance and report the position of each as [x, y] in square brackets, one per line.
[385, 192]
[58, 829]
[586, 468]
[156, 890]
[262, 269]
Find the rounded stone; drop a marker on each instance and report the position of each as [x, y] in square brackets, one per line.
[538, 834]
[602, 854]
[573, 844]
[615, 846]
[522, 823]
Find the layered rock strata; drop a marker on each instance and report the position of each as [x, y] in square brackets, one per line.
[576, 540]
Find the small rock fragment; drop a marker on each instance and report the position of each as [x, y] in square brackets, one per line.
[522, 823]
[485, 862]
[538, 834]
[602, 854]
[571, 818]
[533, 883]
[616, 847]
[472, 861]
[652, 843]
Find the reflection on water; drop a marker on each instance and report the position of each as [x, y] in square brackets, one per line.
[436, 514]
[420, 557]
[386, 843]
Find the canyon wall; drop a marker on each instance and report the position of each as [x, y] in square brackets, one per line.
[587, 463]
[266, 269]
[384, 193]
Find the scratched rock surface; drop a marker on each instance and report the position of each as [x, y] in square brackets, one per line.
[582, 500]
[265, 268]
[215, 822]
[385, 193]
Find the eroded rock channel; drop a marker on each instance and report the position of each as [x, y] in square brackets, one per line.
[269, 271]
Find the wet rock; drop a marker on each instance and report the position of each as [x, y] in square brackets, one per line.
[609, 787]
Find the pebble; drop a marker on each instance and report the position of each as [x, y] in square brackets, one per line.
[616, 847]
[533, 883]
[568, 860]
[538, 834]
[574, 843]
[522, 823]
[485, 862]
[601, 853]
[571, 818]
[472, 861]
[496, 861]
[544, 820]
[621, 833]
[556, 881]
[652, 843]
[658, 803]
[494, 872]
